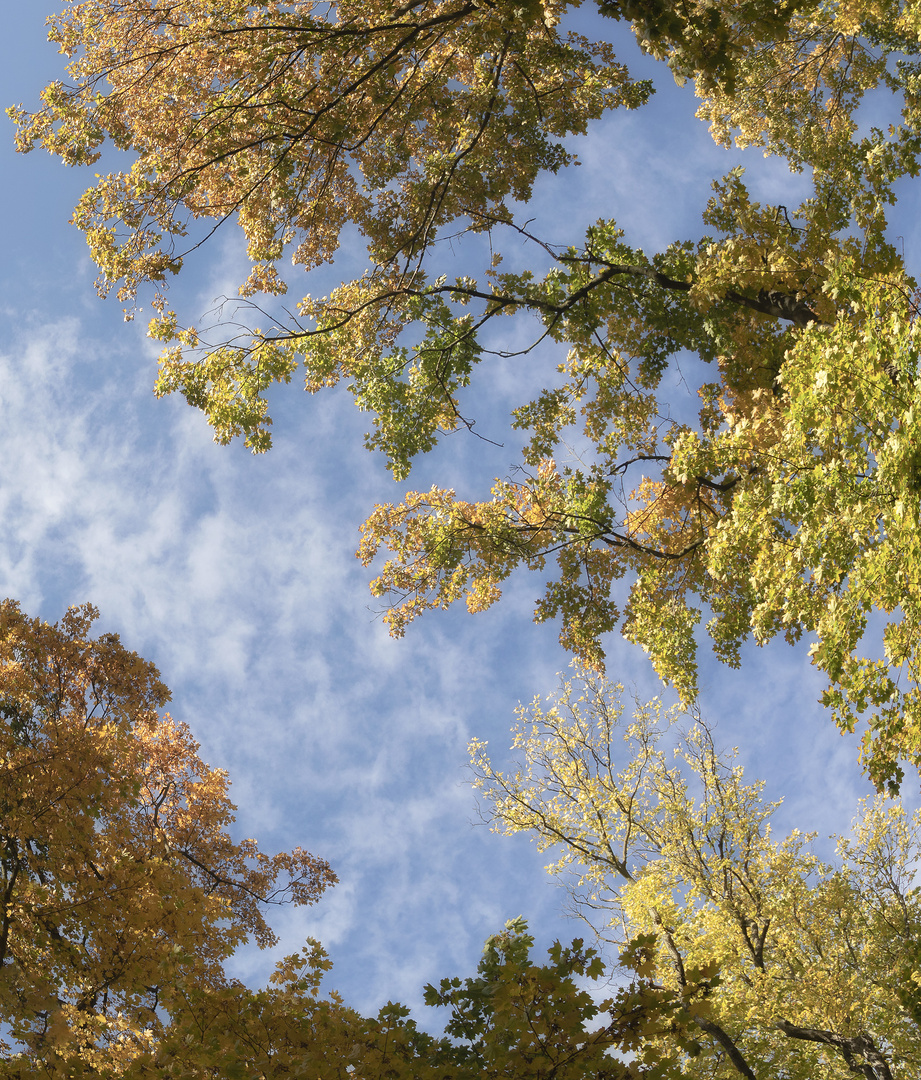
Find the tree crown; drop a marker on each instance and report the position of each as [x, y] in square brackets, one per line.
[122, 887]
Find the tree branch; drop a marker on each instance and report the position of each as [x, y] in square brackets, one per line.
[859, 1051]
[732, 1051]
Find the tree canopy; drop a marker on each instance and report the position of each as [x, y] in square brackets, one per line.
[789, 507]
[122, 889]
[516, 1019]
[818, 961]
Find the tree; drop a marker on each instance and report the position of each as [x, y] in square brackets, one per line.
[818, 961]
[515, 1020]
[122, 890]
[790, 507]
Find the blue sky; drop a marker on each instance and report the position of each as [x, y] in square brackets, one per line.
[237, 575]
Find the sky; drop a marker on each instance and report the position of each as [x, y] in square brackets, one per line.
[236, 574]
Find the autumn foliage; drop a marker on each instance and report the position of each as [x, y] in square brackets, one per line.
[659, 837]
[123, 891]
[788, 507]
